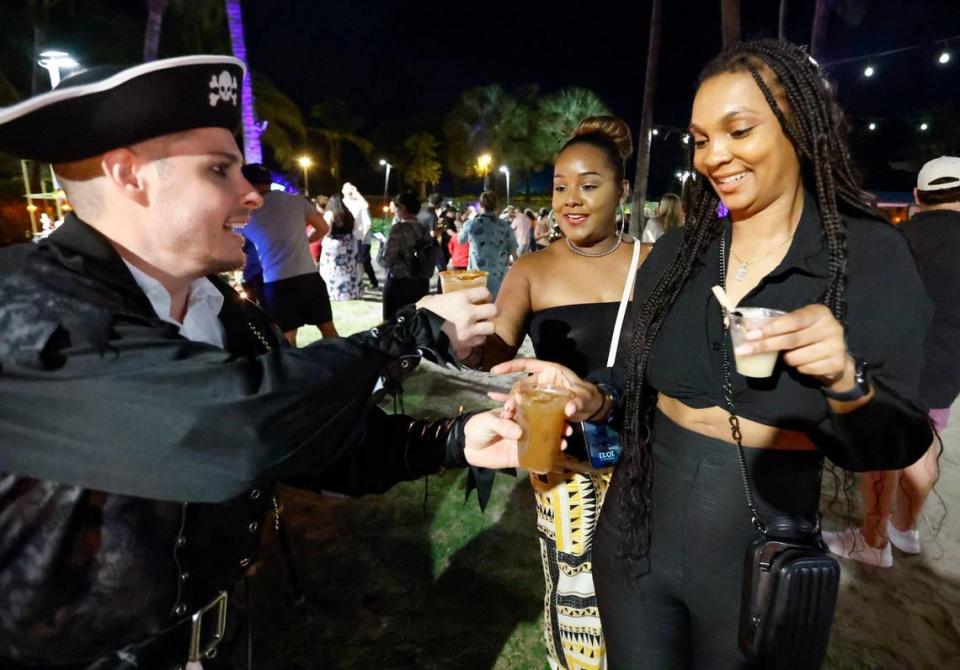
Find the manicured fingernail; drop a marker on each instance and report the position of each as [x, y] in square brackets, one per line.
[754, 334]
[743, 350]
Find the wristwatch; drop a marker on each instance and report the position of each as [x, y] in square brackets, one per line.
[861, 386]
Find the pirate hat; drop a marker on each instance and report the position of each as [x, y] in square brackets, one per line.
[105, 108]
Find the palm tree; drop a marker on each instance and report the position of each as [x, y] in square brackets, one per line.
[422, 166]
[642, 174]
[286, 130]
[730, 21]
[336, 125]
[252, 152]
[851, 11]
[782, 24]
[477, 123]
[558, 114]
[151, 39]
[818, 32]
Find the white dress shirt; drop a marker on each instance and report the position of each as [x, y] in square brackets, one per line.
[201, 323]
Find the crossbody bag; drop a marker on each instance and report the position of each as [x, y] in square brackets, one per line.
[790, 582]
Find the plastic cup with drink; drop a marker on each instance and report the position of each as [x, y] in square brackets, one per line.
[458, 280]
[540, 415]
[752, 318]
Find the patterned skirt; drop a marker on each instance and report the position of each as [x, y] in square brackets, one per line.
[567, 512]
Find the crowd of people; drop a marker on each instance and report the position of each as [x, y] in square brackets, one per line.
[421, 239]
[149, 412]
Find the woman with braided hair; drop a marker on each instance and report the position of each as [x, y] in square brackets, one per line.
[669, 548]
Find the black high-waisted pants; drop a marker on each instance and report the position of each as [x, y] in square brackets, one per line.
[684, 612]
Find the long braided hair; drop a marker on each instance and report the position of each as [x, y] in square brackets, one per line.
[813, 121]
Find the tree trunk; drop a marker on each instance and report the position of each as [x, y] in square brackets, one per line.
[151, 39]
[782, 25]
[335, 160]
[40, 81]
[423, 191]
[818, 34]
[730, 21]
[252, 152]
[646, 121]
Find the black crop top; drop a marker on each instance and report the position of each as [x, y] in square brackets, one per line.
[888, 314]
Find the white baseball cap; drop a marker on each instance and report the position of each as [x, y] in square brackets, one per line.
[939, 174]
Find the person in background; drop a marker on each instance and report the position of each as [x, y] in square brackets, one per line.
[459, 251]
[408, 240]
[252, 273]
[445, 231]
[893, 500]
[340, 259]
[294, 293]
[427, 215]
[315, 240]
[669, 216]
[541, 229]
[521, 225]
[360, 209]
[492, 242]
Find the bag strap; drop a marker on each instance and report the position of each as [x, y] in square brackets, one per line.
[735, 431]
[621, 313]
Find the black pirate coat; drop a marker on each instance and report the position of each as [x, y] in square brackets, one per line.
[136, 465]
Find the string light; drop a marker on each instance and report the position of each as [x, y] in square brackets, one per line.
[655, 132]
[872, 126]
[924, 126]
[869, 71]
[944, 58]
[686, 139]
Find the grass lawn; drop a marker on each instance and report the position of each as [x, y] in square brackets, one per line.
[415, 578]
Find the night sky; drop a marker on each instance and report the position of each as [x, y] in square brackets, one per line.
[403, 64]
[407, 62]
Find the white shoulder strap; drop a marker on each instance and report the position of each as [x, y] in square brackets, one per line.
[621, 313]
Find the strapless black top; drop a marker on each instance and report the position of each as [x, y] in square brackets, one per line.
[577, 336]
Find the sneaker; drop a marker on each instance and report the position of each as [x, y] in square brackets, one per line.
[907, 541]
[849, 543]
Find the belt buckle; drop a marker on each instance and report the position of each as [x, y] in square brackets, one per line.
[199, 650]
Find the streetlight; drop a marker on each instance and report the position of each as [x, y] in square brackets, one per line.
[386, 185]
[53, 61]
[305, 162]
[483, 166]
[506, 171]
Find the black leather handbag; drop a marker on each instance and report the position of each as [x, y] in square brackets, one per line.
[790, 582]
[789, 595]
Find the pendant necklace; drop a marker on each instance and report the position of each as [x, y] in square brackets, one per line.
[741, 272]
[589, 254]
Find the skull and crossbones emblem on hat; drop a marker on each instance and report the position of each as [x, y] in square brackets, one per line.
[223, 87]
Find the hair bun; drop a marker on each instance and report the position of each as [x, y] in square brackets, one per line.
[611, 127]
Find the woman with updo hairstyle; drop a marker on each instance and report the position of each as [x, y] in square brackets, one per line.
[566, 298]
[670, 546]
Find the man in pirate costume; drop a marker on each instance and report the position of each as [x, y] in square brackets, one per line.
[146, 411]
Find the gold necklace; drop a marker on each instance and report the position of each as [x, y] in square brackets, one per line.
[741, 272]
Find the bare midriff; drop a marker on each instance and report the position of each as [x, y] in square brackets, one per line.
[715, 422]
